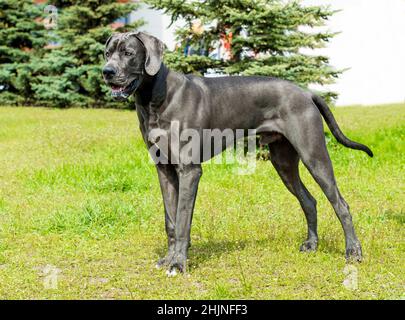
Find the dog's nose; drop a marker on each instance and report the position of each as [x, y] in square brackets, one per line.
[109, 72]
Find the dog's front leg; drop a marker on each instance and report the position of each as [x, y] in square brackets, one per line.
[169, 185]
[189, 177]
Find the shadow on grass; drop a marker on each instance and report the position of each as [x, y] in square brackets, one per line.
[398, 217]
[332, 246]
[203, 251]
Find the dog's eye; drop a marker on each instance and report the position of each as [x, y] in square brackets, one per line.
[107, 54]
[127, 53]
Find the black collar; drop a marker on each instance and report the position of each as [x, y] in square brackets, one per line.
[154, 89]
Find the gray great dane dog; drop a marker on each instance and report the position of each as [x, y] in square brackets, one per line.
[286, 117]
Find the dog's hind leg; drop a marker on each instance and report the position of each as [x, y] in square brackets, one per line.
[307, 136]
[285, 160]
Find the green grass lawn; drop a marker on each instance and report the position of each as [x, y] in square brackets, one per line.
[78, 193]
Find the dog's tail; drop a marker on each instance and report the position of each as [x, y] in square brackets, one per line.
[334, 128]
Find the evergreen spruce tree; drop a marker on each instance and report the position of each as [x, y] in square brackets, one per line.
[267, 38]
[22, 36]
[70, 74]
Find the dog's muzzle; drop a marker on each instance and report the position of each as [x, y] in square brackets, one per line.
[123, 93]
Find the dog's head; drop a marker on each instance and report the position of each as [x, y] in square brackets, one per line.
[130, 58]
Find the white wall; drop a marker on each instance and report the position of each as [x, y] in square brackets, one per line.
[371, 44]
[157, 24]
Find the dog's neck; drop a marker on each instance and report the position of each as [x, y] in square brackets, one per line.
[152, 92]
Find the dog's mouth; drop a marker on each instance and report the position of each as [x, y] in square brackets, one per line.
[124, 92]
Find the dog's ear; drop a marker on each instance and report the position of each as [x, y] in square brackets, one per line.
[154, 52]
[108, 41]
[106, 45]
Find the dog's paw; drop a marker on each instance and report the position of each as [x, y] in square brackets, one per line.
[309, 246]
[177, 265]
[171, 274]
[354, 253]
[164, 262]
